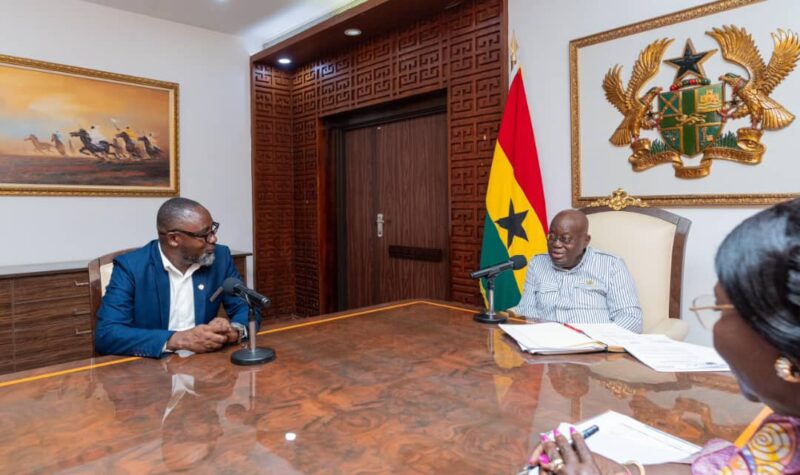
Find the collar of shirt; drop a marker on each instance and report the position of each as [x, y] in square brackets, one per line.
[169, 267]
[585, 257]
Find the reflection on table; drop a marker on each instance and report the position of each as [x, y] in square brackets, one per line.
[412, 386]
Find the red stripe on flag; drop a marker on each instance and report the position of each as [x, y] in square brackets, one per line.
[516, 138]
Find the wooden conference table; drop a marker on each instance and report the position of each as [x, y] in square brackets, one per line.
[410, 387]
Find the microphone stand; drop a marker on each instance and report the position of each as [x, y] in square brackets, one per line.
[489, 316]
[252, 355]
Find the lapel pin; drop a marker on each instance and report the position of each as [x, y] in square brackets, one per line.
[201, 286]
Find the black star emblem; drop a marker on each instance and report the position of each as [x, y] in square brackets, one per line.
[513, 224]
[690, 62]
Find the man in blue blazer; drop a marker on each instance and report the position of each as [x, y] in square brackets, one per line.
[158, 298]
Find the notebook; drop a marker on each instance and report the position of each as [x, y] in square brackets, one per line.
[552, 338]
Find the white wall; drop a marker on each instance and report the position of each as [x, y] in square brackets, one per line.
[544, 29]
[212, 70]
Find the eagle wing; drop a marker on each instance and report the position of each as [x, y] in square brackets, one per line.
[615, 93]
[646, 67]
[738, 46]
[783, 60]
[741, 111]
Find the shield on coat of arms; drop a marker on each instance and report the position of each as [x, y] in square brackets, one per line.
[690, 118]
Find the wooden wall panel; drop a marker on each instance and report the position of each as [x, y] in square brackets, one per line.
[273, 187]
[476, 93]
[461, 50]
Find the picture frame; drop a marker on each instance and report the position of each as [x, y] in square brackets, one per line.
[599, 166]
[72, 131]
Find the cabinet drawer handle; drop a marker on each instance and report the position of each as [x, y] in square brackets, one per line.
[82, 332]
[81, 284]
[81, 312]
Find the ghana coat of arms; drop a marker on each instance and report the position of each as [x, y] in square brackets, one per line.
[691, 114]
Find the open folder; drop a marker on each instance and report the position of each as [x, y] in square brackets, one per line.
[656, 351]
[554, 339]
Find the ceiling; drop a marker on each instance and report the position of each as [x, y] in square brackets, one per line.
[256, 21]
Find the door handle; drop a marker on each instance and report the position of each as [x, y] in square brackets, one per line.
[379, 222]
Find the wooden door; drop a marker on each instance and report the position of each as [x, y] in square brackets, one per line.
[398, 172]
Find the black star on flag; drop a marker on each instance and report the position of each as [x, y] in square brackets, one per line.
[513, 224]
[690, 62]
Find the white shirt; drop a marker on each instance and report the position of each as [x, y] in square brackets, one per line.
[597, 290]
[181, 296]
[181, 384]
[181, 299]
[97, 137]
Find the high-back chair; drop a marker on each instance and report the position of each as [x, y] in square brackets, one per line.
[99, 276]
[652, 243]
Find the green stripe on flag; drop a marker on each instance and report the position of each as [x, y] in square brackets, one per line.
[506, 292]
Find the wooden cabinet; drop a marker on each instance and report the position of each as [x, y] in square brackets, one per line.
[45, 314]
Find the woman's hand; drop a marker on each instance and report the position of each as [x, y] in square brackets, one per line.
[576, 459]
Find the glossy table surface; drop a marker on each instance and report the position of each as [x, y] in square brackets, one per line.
[412, 387]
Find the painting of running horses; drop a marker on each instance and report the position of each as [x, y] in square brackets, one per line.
[66, 130]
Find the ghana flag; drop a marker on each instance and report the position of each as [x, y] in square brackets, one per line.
[516, 218]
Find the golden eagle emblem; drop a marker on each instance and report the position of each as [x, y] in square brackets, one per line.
[737, 46]
[691, 115]
[627, 101]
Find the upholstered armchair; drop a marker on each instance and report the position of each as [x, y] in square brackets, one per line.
[651, 241]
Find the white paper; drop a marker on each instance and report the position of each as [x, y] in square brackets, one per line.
[609, 333]
[622, 438]
[550, 338]
[658, 351]
[670, 356]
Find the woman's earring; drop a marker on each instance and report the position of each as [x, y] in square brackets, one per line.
[786, 370]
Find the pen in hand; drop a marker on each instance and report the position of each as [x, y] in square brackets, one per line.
[543, 459]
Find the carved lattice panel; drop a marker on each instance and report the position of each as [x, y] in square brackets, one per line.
[273, 187]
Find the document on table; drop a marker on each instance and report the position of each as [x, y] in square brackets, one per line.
[622, 438]
[609, 333]
[670, 356]
[656, 351]
[551, 338]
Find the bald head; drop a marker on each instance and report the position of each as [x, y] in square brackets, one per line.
[577, 221]
[568, 238]
[175, 212]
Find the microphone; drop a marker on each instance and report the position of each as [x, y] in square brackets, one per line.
[516, 262]
[234, 286]
[216, 294]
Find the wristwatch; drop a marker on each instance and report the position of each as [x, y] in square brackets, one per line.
[241, 330]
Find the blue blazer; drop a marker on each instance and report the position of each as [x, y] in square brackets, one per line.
[134, 315]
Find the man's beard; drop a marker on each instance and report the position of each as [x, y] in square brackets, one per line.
[206, 259]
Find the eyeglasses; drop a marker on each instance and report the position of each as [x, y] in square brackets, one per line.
[565, 240]
[204, 236]
[707, 310]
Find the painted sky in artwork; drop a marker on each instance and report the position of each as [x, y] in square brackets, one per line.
[41, 103]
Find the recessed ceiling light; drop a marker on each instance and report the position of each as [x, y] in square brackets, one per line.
[352, 32]
[284, 60]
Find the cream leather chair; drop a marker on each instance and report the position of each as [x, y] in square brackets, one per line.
[99, 276]
[651, 241]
